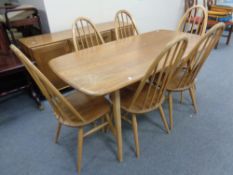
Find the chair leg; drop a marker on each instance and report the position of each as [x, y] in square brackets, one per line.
[170, 110]
[80, 148]
[110, 124]
[192, 94]
[57, 132]
[164, 119]
[135, 132]
[105, 129]
[229, 34]
[181, 97]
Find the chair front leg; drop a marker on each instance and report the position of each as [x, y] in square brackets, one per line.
[58, 132]
[170, 100]
[164, 119]
[193, 97]
[80, 149]
[181, 97]
[110, 124]
[135, 133]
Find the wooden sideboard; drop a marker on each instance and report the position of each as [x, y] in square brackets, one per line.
[43, 48]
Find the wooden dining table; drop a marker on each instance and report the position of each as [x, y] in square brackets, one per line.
[106, 69]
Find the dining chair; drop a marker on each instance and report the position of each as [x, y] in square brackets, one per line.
[85, 34]
[185, 74]
[124, 25]
[194, 20]
[148, 95]
[75, 110]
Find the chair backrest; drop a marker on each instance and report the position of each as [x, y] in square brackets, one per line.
[187, 71]
[208, 3]
[62, 108]
[85, 34]
[194, 20]
[189, 3]
[155, 81]
[124, 25]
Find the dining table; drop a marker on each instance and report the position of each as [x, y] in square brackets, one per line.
[106, 69]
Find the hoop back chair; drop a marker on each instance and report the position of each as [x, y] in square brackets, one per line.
[74, 110]
[124, 25]
[85, 34]
[185, 75]
[194, 20]
[149, 93]
[189, 3]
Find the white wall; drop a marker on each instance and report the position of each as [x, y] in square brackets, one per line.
[148, 14]
[39, 4]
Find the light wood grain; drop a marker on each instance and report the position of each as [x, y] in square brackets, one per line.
[42, 40]
[107, 68]
[124, 25]
[43, 48]
[148, 94]
[85, 34]
[186, 73]
[112, 66]
[74, 110]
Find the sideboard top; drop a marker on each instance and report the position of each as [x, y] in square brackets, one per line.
[49, 38]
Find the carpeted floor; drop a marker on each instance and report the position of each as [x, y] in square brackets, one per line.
[200, 144]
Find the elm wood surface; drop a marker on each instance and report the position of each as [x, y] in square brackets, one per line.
[148, 95]
[110, 67]
[75, 110]
[186, 73]
[50, 38]
[43, 48]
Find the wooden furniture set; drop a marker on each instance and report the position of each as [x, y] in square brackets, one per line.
[135, 71]
[46, 47]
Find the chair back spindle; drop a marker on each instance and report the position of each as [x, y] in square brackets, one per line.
[187, 72]
[154, 84]
[194, 21]
[85, 34]
[63, 110]
[124, 25]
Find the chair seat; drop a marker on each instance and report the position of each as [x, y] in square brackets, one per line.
[174, 83]
[89, 107]
[127, 95]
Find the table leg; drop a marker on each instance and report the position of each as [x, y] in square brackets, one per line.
[229, 35]
[117, 120]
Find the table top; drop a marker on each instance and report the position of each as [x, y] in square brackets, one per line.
[104, 69]
[41, 40]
